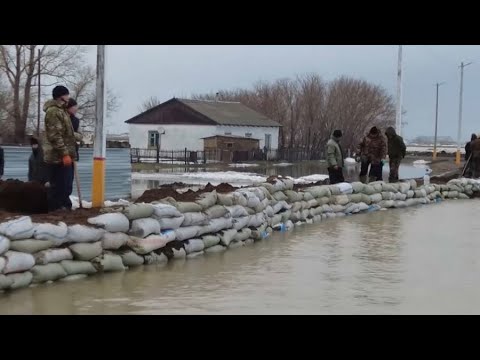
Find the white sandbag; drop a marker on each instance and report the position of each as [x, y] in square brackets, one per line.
[150, 243]
[404, 187]
[113, 241]
[375, 198]
[155, 259]
[20, 280]
[413, 184]
[317, 219]
[5, 282]
[306, 205]
[195, 255]
[30, 246]
[279, 185]
[225, 199]
[53, 256]
[3, 262]
[324, 200]
[307, 196]
[276, 219]
[238, 199]
[236, 211]
[261, 206]
[235, 244]
[338, 208]
[193, 245]
[207, 200]
[161, 211]
[243, 234]
[286, 215]
[4, 244]
[316, 211]
[463, 196]
[108, 262]
[188, 207]
[252, 199]
[56, 233]
[86, 251]
[399, 204]
[296, 207]
[453, 194]
[130, 258]
[250, 211]
[387, 187]
[362, 206]
[17, 262]
[288, 183]
[355, 198]
[210, 240]
[259, 192]
[420, 193]
[387, 204]
[327, 208]
[357, 187]
[194, 218]
[144, 227]
[335, 190]
[351, 208]
[215, 249]
[269, 212]
[179, 253]
[339, 214]
[319, 191]
[227, 236]
[76, 277]
[139, 211]
[292, 196]
[289, 225]
[112, 222]
[256, 220]
[217, 211]
[260, 233]
[280, 196]
[387, 195]
[411, 202]
[172, 223]
[215, 225]
[81, 233]
[410, 194]
[49, 272]
[341, 199]
[18, 229]
[241, 222]
[345, 188]
[189, 232]
[73, 267]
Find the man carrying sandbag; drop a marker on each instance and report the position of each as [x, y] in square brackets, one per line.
[59, 149]
[372, 152]
[396, 152]
[335, 158]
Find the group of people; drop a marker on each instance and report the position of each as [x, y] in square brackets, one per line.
[52, 160]
[370, 153]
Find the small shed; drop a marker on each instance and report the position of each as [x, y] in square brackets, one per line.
[230, 148]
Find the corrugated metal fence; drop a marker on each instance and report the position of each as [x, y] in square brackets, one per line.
[118, 182]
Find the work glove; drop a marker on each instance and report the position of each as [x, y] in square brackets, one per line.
[67, 160]
[358, 159]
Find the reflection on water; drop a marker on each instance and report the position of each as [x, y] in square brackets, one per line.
[395, 261]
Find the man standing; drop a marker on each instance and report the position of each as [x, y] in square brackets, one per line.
[372, 152]
[37, 168]
[59, 149]
[475, 160]
[72, 109]
[335, 158]
[2, 162]
[396, 152]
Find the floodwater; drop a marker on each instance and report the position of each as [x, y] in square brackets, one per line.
[422, 260]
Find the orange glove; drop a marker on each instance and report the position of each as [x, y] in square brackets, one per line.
[67, 160]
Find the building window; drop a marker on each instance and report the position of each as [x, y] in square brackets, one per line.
[228, 133]
[268, 141]
[229, 145]
[248, 135]
[153, 139]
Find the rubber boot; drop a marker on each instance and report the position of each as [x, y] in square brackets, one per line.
[363, 179]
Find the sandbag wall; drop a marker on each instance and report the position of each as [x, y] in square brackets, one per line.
[144, 234]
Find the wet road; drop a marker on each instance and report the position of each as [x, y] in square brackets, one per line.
[422, 260]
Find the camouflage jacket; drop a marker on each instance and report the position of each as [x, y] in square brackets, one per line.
[373, 147]
[59, 135]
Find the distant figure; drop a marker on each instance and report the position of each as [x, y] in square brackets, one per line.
[372, 152]
[2, 162]
[475, 161]
[265, 153]
[396, 152]
[37, 168]
[468, 152]
[335, 158]
[72, 108]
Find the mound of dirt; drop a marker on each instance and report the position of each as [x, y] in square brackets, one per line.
[23, 197]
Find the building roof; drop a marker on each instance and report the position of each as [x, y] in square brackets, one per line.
[231, 137]
[218, 112]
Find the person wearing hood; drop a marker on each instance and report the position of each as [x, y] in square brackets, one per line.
[468, 152]
[372, 152]
[475, 158]
[59, 149]
[335, 158]
[37, 168]
[396, 152]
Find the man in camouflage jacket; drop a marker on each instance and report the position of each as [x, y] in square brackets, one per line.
[372, 152]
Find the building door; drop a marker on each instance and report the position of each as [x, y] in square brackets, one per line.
[268, 141]
[153, 139]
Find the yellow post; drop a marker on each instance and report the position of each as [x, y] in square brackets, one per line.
[458, 158]
[99, 144]
[434, 155]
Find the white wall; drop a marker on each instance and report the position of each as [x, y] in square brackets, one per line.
[179, 137]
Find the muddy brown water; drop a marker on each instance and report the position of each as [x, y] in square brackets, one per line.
[421, 260]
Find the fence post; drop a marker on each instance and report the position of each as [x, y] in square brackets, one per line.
[185, 158]
[158, 154]
[138, 155]
[172, 157]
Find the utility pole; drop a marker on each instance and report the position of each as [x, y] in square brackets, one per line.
[99, 145]
[39, 95]
[436, 123]
[398, 117]
[459, 135]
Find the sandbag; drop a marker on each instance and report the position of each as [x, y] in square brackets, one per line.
[4, 244]
[3, 262]
[108, 262]
[252, 199]
[307, 196]
[410, 194]
[139, 211]
[404, 187]
[227, 236]
[319, 191]
[130, 258]
[144, 227]
[317, 219]
[195, 219]
[239, 199]
[453, 194]
[280, 196]
[357, 187]
[276, 219]
[387, 204]
[369, 190]
[55, 233]
[387, 195]
[289, 225]
[154, 258]
[420, 193]
[250, 211]
[73, 267]
[463, 196]
[345, 188]
[324, 200]
[49, 272]
[185, 233]
[243, 234]
[217, 211]
[172, 223]
[413, 184]
[327, 208]
[286, 215]
[193, 245]
[362, 206]
[5, 282]
[411, 202]
[188, 207]
[81, 233]
[74, 277]
[210, 240]
[20, 280]
[17, 262]
[215, 225]
[86, 251]
[225, 199]
[296, 207]
[339, 214]
[29, 246]
[288, 183]
[256, 220]
[113, 222]
[355, 198]
[366, 199]
[386, 187]
[292, 196]
[241, 222]
[258, 192]
[207, 200]
[18, 229]
[375, 198]
[269, 212]
[350, 208]
[113, 241]
[399, 204]
[215, 249]
[260, 233]
[235, 244]
[150, 243]
[338, 208]
[195, 254]
[334, 190]
[261, 206]
[161, 211]
[53, 256]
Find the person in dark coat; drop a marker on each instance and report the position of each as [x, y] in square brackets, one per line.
[37, 168]
[2, 162]
[72, 108]
[396, 152]
[468, 152]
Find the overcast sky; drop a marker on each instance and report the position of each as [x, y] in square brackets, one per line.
[138, 72]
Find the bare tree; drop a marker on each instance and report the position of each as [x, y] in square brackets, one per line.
[150, 103]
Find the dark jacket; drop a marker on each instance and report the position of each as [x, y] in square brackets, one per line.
[37, 168]
[2, 162]
[468, 147]
[76, 125]
[475, 148]
[396, 146]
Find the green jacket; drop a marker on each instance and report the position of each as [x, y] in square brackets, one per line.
[334, 153]
[396, 145]
[59, 135]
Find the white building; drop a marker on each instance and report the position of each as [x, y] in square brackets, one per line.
[178, 124]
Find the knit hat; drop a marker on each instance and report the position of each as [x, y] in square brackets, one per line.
[374, 130]
[71, 103]
[33, 140]
[337, 133]
[59, 91]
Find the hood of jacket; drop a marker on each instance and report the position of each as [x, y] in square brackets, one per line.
[390, 131]
[53, 103]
